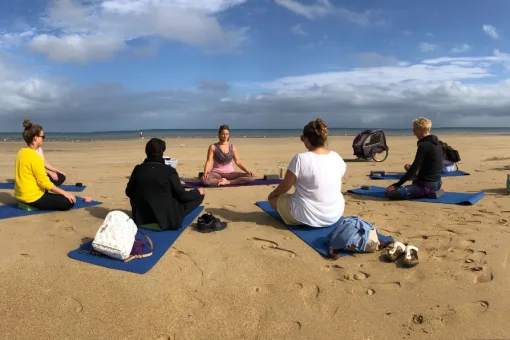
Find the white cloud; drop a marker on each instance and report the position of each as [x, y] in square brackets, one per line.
[318, 9]
[462, 90]
[103, 27]
[427, 47]
[461, 48]
[77, 48]
[322, 8]
[298, 30]
[491, 31]
[14, 39]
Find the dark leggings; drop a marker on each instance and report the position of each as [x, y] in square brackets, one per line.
[52, 202]
[414, 191]
[192, 205]
[61, 179]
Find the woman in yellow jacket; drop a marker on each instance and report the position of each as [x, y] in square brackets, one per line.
[32, 183]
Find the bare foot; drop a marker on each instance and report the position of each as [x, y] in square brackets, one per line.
[223, 181]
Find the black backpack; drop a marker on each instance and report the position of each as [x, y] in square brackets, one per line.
[451, 154]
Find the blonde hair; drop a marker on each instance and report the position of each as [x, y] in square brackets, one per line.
[423, 124]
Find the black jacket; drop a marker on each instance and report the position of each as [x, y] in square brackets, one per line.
[429, 161]
[156, 194]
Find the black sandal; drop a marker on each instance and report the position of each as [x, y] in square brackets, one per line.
[208, 223]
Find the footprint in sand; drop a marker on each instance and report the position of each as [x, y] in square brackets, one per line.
[309, 292]
[330, 267]
[70, 229]
[271, 245]
[466, 243]
[475, 308]
[483, 274]
[476, 257]
[163, 337]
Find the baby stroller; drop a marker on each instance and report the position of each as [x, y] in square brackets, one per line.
[371, 144]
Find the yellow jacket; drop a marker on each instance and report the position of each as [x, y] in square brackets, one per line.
[31, 178]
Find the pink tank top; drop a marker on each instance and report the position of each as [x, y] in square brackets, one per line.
[223, 161]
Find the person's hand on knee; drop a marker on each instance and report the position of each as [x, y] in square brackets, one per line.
[390, 188]
[201, 191]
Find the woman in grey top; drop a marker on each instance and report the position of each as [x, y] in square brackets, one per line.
[218, 169]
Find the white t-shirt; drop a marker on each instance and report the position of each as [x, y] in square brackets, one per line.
[318, 199]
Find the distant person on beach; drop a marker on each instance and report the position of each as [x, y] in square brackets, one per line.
[218, 169]
[317, 176]
[141, 134]
[156, 193]
[32, 184]
[427, 164]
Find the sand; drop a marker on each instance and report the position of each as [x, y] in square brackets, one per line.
[230, 285]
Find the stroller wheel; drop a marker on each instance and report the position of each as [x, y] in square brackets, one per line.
[380, 155]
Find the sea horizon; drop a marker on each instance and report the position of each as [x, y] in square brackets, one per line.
[238, 133]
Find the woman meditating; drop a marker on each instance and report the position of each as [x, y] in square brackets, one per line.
[220, 156]
[156, 193]
[317, 176]
[427, 166]
[56, 176]
[32, 184]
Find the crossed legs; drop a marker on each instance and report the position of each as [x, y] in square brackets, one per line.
[233, 178]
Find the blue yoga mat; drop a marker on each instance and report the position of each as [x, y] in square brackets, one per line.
[447, 198]
[399, 175]
[12, 210]
[162, 240]
[317, 238]
[70, 188]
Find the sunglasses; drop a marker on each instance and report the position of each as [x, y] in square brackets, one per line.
[43, 136]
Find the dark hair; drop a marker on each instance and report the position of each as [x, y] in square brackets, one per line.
[444, 146]
[316, 132]
[223, 127]
[31, 131]
[155, 147]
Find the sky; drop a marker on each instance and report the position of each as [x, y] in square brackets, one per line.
[105, 65]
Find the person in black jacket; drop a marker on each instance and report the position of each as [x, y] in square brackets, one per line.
[156, 193]
[427, 162]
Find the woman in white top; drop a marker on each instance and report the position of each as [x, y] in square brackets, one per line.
[317, 176]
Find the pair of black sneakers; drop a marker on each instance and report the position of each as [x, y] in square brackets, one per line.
[208, 223]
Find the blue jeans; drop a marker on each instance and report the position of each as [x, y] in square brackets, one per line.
[414, 191]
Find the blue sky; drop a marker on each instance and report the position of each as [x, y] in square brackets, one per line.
[76, 65]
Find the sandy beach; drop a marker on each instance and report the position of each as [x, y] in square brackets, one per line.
[234, 285]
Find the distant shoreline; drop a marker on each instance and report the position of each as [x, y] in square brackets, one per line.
[238, 134]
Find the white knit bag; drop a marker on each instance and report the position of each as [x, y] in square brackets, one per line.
[116, 236]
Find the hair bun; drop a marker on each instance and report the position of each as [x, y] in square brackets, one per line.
[321, 128]
[27, 124]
